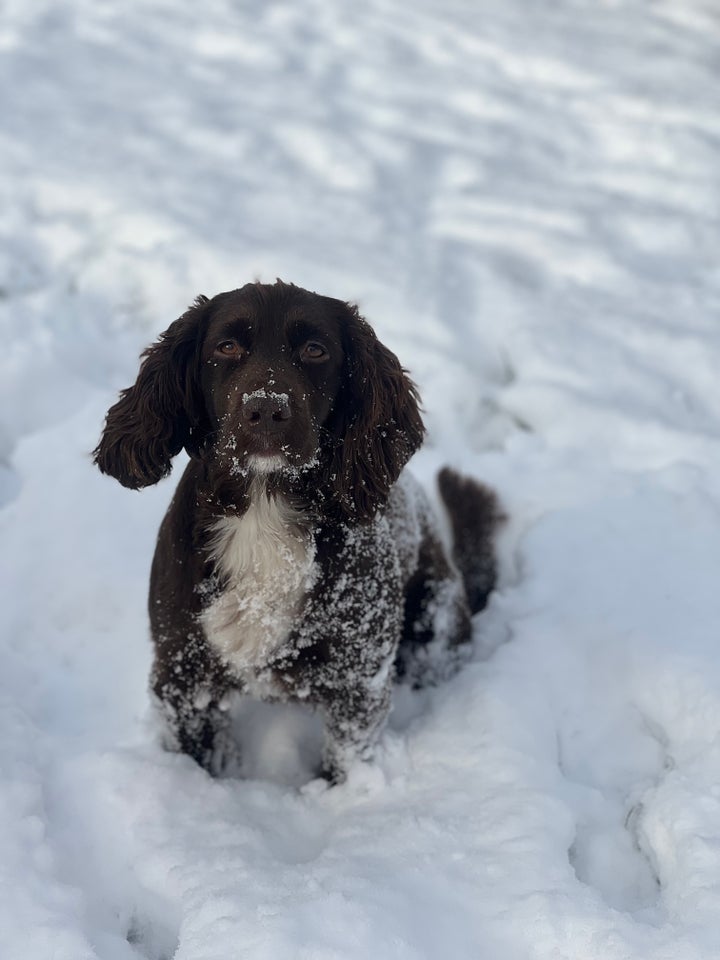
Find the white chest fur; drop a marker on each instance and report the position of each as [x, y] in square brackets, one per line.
[266, 560]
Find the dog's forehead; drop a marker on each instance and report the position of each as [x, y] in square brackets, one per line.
[278, 307]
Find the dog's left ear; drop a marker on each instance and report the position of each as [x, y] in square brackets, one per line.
[376, 426]
[162, 412]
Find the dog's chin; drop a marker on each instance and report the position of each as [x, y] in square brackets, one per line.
[261, 465]
[264, 463]
[260, 455]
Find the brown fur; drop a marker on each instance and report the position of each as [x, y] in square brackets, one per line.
[277, 371]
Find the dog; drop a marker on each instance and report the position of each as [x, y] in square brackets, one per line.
[298, 560]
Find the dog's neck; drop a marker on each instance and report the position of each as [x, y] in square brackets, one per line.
[225, 492]
[255, 537]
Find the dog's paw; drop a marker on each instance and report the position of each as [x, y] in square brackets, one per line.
[331, 773]
[225, 758]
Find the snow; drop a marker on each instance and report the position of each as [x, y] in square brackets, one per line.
[523, 199]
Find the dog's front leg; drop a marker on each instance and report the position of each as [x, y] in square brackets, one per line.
[188, 694]
[348, 641]
[354, 719]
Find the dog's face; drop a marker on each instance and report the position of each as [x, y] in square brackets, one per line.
[271, 365]
[266, 379]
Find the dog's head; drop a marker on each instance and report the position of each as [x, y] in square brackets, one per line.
[269, 379]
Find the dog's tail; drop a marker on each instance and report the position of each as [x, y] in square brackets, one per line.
[475, 516]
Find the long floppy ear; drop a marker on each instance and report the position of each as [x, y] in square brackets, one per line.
[161, 413]
[377, 424]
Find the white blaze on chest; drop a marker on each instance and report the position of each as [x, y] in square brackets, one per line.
[266, 561]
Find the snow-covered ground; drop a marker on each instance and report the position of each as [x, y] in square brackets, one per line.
[524, 199]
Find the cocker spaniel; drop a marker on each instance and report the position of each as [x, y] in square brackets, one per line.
[296, 560]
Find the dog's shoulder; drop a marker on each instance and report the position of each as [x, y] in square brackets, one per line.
[409, 515]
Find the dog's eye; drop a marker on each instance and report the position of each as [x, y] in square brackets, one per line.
[230, 348]
[314, 351]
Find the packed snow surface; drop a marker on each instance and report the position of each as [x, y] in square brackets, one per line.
[523, 199]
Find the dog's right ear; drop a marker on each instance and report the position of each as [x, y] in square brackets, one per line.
[162, 412]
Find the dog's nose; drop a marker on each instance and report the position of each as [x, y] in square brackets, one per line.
[265, 409]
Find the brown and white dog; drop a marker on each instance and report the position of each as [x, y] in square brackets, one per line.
[294, 562]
